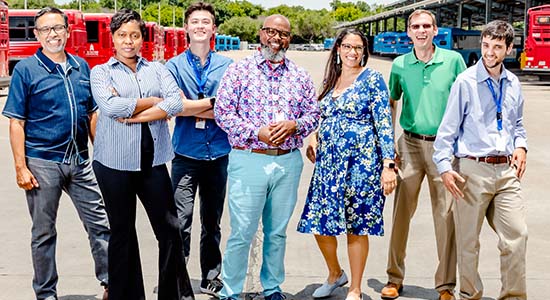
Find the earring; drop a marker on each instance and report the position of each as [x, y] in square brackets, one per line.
[363, 61]
[337, 58]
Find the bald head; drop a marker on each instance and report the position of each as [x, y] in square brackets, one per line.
[279, 19]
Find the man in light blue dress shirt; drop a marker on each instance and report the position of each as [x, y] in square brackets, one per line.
[483, 128]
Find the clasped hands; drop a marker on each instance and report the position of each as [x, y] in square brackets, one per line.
[276, 133]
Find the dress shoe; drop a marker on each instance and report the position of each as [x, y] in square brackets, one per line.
[446, 295]
[106, 294]
[326, 289]
[391, 290]
[275, 296]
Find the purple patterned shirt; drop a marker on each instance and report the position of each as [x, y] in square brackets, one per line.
[254, 93]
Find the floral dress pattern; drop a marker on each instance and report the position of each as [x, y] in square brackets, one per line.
[345, 194]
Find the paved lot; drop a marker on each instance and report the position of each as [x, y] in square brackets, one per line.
[304, 265]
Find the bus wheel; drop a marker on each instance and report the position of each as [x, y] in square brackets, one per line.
[472, 60]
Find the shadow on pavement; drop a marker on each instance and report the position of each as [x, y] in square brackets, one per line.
[80, 297]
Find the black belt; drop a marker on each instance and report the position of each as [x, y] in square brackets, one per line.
[428, 138]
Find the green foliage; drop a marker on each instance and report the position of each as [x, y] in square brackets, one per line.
[245, 28]
[32, 4]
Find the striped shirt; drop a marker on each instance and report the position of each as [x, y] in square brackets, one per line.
[116, 89]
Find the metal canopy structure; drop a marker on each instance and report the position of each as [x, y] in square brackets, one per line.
[465, 14]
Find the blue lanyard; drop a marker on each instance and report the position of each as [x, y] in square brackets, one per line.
[201, 80]
[497, 100]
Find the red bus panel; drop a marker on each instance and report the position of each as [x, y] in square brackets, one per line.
[182, 40]
[153, 42]
[537, 43]
[170, 42]
[99, 46]
[4, 43]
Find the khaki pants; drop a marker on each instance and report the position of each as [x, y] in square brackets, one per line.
[492, 192]
[416, 163]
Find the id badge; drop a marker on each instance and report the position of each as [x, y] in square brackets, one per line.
[501, 143]
[200, 123]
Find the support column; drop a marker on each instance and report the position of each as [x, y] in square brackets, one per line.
[459, 16]
[488, 10]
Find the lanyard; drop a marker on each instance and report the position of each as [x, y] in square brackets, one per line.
[201, 80]
[497, 100]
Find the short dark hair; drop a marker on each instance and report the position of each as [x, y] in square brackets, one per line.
[124, 16]
[51, 10]
[499, 30]
[200, 6]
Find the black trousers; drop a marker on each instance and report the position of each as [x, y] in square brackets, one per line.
[154, 189]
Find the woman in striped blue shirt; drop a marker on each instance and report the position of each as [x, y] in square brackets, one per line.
[130, 158]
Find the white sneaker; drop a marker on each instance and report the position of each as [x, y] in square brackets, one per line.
[327, 288]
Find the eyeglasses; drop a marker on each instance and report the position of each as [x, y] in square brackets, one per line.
[417, 26]
[271, 32]
[349, 47]
[59, 28]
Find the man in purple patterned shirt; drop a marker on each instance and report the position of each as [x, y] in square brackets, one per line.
[267, 106]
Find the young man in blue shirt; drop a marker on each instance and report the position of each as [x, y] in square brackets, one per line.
[201, 146]
[51, 113]
[483, 128]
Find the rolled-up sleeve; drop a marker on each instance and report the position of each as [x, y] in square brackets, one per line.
[105, 96]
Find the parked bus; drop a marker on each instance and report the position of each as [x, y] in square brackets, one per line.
[182, 40]
[385, 43]
[235, 43]
[223, 42]
[4, 45]
[404, 43]
[23, 43]
[100, 42]
[170, 43]
[465, 42]
[153, 42]
[327, 44]
[536, 55]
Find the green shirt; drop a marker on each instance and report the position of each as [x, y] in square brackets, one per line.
[425, 88]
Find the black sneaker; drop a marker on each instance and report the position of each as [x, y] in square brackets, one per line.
[276, 296]
[211, 287]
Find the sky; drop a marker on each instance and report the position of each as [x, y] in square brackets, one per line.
[311, 4]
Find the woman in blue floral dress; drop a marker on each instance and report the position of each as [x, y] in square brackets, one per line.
[353, 156]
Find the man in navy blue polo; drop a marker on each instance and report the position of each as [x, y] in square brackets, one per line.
[201, 146]
[51, 113]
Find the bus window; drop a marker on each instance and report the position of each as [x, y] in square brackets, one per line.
[21, 29]
[543, 20]
[92, 30]
[147, 37]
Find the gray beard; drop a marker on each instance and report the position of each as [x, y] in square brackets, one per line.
[268, 54]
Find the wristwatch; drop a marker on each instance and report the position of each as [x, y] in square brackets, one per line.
[390, 165]
[212, 101]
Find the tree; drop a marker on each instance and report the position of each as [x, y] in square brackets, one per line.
[32, 4]
[245, 28]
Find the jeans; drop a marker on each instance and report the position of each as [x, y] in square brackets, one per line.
[79, 183]
[210, 176]
[154, 189]
[266, 187]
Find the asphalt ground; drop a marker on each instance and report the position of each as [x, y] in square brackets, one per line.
[305, 269]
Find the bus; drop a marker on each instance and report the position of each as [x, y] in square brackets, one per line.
[223, 42]
[385, 43]
[328, 43]
[153, 42]
[170, 43]
[99, 40]
[182, 40]
[23, 43]
[4, 45]
[536, 55]
[465, 42]
[404, 43]
[235, 43]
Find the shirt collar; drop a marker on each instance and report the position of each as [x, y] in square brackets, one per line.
[140, 61]
[436, 59]
[50, 65]
[482, 74]
[197, 59]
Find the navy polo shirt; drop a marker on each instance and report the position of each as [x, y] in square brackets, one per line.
[54, 104]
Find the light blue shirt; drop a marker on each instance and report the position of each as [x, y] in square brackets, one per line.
[116, 88]
[469, 125]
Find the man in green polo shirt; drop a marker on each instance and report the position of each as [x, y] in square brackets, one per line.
[424, 78]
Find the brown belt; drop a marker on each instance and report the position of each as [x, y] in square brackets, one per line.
[427, 138]
[273, 152]
[491, 159]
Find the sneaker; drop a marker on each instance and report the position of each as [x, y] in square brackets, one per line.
[211, 287]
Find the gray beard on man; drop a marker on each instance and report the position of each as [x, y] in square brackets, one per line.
[272, 56]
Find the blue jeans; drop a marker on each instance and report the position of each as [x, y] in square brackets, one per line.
[266, 187]
[79, 182]
[210, 177]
